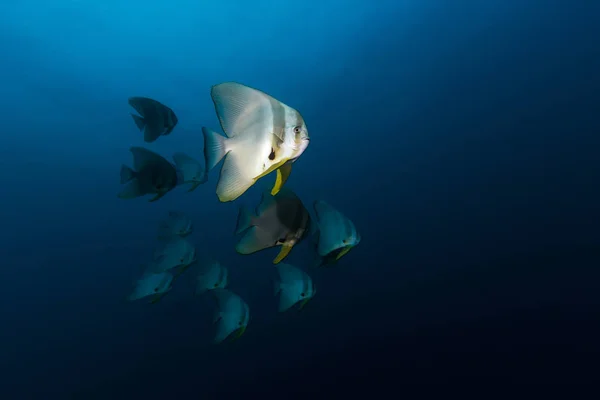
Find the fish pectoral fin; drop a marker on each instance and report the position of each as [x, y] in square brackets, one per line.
[302, 304]
[285, 250]
[343, 252]
[239, 333]
[156, 298]
[283, 174]
[194, 186]
[158, 196]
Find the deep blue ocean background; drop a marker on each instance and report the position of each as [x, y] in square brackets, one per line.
[461, 137]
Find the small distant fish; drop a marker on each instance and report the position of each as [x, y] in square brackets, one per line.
[192, 170]
[151, 174]
[263, 135]
[177, 224]
[294, 286]
[151, 284]
[175, 252]
[282, 220]
[336, 234]
[232, 315]
[212, 276]
[156, 118]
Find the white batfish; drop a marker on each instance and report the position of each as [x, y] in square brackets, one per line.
[263, 135]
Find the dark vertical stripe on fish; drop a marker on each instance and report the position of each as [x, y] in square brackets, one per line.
[278, 119]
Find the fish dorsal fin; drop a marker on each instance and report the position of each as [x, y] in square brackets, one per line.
[242, 109]
[334, 228]
[142, 158]
[142, 105]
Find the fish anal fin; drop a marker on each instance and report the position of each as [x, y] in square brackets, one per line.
[233, 181]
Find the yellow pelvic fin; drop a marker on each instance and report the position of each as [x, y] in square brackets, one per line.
[302, 304]
[271, 169]
[343, 252]
[285, 250]
[239, 333]
[156, 298]
[283, 174]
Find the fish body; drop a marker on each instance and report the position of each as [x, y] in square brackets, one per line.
[336, 234]
[176, 224]
[294, 286]
[151, 284]
[192, 170]
[232, 315]
[263, 135]
[212, 276]
[151, 174]
[176, 252]
[155, 118]
[280, 220]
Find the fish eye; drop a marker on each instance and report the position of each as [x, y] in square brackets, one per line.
[216, 284]
[155, 289]
[302, 294]
[297, 130]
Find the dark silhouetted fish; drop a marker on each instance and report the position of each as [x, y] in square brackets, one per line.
[151, 174]
[156, 118]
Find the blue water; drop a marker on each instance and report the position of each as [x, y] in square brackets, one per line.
[461, 138]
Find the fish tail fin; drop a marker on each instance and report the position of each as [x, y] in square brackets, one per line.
[244, 220]
[214, 147]
[127, 174]
[131, 191]
[139, 121]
